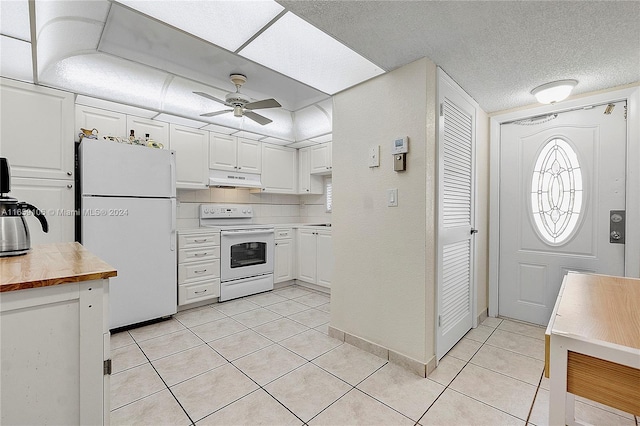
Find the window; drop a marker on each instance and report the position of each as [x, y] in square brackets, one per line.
[556, 191]
[328, 190]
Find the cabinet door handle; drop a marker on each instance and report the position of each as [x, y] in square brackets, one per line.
[69, 186]
[239, 167]
[204, 240]
[199, 254]
[200, 272]
[200, 292]
[69, 173]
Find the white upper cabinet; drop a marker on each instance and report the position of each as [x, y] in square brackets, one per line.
[234, 154]
[279, 169]
[223, 152]
[249, 156]
[37, 130]
[321, 158]
[107, 123]
[157, 130]
[307, 183]
[192, 153]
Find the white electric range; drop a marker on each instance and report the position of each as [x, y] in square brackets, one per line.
[246, 249]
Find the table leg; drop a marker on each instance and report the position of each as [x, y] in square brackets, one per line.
[558, 382]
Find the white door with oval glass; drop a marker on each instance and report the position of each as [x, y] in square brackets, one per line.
[561, 180]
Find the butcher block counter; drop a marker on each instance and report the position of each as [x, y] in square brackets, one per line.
[593, 345]
[54, 345]
[52, 264]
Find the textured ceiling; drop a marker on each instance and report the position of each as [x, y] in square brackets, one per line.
[496, 50]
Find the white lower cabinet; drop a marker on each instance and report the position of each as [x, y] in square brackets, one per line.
[284, 255]
[55, 341]
[315, 257]
[198, 266]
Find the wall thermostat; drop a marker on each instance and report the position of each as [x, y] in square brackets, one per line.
[400, 146]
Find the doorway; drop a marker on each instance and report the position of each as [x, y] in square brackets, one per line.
[562, 175]
[557, 177]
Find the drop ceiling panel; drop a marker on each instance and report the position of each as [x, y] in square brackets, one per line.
[135, 37]
[15, 61]
[14, 19]
[212, 20]
[297, 49]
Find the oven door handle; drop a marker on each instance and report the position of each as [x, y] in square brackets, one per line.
[248, 232]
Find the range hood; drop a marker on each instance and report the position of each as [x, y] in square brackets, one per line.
[220, 178]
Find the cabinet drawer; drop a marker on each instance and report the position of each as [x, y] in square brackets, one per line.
[198, 240]
[198, 254]
[196, 292]
[283, 233]
[196, 271]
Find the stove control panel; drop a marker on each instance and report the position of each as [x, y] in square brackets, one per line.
[225, 211]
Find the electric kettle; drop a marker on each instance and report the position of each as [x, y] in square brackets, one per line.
[14, 231]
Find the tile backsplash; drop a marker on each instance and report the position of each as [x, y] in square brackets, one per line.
[267, 208]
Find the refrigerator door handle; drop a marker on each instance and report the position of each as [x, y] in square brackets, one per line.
[172, 240]
[172, 167]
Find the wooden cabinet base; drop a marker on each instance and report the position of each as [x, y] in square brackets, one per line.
[606, 382]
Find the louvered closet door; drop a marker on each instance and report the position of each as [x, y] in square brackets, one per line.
[456, 139]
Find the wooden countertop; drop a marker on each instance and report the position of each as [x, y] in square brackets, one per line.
[52, 264]
[600, 307]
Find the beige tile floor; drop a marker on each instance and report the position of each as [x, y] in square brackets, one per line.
[267, 359]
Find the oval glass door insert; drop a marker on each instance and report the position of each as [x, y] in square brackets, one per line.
[556, 192]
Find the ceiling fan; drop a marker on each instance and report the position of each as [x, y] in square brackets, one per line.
[241, 104]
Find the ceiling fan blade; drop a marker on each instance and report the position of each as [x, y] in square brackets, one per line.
[208, 96]
[211, 114]
[260, 119]
[265, 103]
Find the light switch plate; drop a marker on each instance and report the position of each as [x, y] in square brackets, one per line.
[392, 197]
[374, 156]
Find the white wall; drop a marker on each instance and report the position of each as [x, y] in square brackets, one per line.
[383, 284]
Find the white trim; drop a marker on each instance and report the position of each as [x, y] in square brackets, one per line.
[632, 247]
[443, 77]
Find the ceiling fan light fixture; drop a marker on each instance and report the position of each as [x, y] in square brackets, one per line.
[237, 111]
[555, 91]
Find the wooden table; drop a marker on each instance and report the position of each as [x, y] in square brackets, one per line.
[593, 345]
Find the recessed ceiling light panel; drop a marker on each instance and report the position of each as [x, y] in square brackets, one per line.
[14, 19]
[228, 24]
[301, 51]
[15, 61]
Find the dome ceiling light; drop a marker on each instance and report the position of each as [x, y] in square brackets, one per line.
[555, 91]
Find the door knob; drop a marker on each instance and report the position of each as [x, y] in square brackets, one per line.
[615, 235]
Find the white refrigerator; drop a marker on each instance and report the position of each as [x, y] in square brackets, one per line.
[128, 218]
